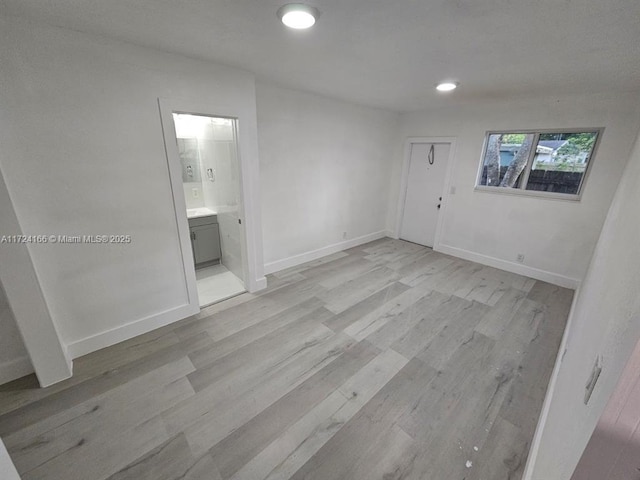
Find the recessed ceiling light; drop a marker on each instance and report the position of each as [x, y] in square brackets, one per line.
[446, 86]
[298, 15]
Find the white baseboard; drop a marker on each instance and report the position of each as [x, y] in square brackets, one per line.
[14, 369]
[512, 267]
[278, 265]
[125, 332]
[261, 283]
[255, 285]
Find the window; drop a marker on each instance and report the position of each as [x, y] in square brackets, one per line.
[543, 163]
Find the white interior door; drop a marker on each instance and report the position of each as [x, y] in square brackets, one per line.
[425, 183]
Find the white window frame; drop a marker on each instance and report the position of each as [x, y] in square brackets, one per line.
[521, 190]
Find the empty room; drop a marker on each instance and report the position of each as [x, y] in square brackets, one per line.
[260, 240]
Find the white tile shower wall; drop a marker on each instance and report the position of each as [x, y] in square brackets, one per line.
[225, 192]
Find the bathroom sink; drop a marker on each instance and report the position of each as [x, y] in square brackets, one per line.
[199, 212]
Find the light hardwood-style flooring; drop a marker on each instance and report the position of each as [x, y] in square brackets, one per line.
[386, 361]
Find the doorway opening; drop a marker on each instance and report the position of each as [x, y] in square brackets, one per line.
[422, 192]
[209, 164]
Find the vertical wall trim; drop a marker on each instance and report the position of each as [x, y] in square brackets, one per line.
[19, 279]
[7, 468]
[546, 406]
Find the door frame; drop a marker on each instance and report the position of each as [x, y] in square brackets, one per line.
[250, 219]
[404, 180]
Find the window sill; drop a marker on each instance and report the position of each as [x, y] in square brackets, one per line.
[528, 193]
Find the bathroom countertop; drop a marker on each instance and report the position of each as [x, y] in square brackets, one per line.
[199, 212]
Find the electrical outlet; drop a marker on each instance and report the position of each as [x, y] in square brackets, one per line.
[344, 235]
[195, 192]
[452, 190]
[520, 258]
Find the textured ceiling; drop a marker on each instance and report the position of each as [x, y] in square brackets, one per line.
[384, 53]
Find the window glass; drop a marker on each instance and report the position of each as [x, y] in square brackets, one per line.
[543, 162]
[505, 159]
[561, 161]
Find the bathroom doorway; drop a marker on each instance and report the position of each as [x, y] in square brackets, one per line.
[204, 166]
[208, 153]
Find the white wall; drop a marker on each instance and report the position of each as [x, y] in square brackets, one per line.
[556, 237]
[605, 321]
[14, 360]
[7, 468]
[83, 153]
[21, 286]
[324, 168]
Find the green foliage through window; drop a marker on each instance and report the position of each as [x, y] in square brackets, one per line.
[554, 162]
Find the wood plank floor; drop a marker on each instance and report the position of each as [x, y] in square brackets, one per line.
[386, 361]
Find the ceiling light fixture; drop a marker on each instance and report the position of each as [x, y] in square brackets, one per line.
[446, 86]
[298, 15]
